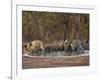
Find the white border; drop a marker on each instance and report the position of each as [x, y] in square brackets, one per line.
[17, 72]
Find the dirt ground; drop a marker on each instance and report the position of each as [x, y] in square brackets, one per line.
[47, 62]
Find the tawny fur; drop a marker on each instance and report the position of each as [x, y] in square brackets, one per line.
[35, 45]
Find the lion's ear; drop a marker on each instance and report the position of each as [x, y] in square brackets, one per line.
[30, 44]
[25, 46]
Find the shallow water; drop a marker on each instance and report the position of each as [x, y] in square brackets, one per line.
[58, 53]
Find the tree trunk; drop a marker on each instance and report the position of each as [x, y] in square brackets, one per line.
[66, 28]
[36, 24]
[73, 32]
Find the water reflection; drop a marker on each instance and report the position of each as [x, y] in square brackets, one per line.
[59, 53]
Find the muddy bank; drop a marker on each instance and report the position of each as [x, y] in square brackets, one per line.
[47, 62]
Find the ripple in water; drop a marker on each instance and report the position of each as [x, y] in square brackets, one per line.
[59, 53]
